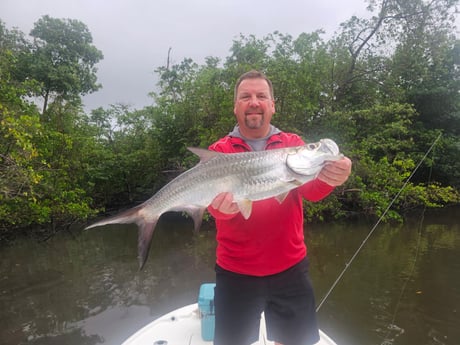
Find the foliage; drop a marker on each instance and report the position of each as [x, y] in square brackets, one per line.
[384, 88]
[62, 59]
[39, 159]
[126, 155]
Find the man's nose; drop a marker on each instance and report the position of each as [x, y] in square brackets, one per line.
[254, 101]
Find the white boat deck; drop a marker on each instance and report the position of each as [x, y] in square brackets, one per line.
[183, 327]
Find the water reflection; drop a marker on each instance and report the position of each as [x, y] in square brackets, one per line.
[387, 297]
[403, 288]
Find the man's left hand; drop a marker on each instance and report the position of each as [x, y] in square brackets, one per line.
[335, 173]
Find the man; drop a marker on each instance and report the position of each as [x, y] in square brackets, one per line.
[262, 262]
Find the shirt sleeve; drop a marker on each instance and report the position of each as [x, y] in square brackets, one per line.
[315, 190]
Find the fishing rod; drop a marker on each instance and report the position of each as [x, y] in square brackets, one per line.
[347, 265]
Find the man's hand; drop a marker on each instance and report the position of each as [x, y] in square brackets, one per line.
[224, 203]
[335, 173]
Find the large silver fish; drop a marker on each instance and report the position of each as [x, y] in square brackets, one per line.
[250, 176]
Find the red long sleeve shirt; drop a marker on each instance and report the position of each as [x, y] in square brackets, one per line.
[272, 239]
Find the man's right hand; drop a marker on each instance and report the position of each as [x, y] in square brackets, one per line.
[224, 203]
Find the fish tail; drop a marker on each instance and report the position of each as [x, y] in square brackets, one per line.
[145, 226]
[127, 217]
[145, 239]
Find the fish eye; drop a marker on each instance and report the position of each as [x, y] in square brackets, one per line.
[312, 146]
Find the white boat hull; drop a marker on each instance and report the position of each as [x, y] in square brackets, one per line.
[182, 327]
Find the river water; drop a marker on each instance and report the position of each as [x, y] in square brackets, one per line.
[85, 288]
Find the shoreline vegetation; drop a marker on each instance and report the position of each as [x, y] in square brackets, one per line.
[383, 88]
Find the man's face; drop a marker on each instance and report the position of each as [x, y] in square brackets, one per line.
[254, 108]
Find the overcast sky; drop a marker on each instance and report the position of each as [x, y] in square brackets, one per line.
[135, 35]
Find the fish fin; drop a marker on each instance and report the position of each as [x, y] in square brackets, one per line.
[197, 215]
[245, 207]
[288, 179]
[292, 180]
[144, 240]
[205, 155]
[280, 198]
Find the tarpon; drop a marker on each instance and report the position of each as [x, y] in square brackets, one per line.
[249, 176]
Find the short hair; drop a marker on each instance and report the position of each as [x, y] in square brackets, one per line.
[253, 74]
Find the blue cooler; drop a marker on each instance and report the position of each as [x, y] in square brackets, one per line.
[206, 306]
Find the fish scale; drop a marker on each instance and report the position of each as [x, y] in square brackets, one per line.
[249, 176]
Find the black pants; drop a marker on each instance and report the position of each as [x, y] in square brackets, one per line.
[286, 298]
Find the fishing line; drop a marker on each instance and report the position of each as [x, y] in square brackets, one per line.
[392, 326]
[347, 265]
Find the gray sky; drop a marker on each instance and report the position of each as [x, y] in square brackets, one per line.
[135, 35]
